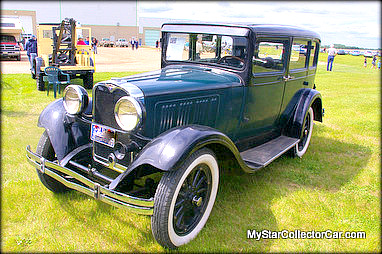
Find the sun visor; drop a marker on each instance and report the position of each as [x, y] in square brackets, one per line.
[206, 29]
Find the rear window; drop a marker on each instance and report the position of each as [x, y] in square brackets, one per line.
[8, 38]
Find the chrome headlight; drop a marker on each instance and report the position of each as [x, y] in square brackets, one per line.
[76, 99]
[128, 113]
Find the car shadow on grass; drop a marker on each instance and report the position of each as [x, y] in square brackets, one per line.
[244, 200]
[98, 217]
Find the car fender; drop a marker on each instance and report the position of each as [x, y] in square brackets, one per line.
[169, 150]
[297, 109]
[66, 132]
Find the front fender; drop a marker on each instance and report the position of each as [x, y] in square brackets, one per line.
[65, 132]
[170, 149]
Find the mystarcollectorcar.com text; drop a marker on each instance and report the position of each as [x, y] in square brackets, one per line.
[301, 234]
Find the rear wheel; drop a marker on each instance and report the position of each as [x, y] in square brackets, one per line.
[184, 199]
[45, 149]
[40, 82]
[300, 148]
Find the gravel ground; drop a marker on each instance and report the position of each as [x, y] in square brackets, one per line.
[107, 60]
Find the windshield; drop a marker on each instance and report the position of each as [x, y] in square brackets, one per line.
[215, 49]
[7, 38]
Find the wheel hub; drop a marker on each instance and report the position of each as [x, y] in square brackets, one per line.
[197, 201]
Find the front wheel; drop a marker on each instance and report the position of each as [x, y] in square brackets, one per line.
[88, 80]
[184, 199]
[300, 148]
[45, 149]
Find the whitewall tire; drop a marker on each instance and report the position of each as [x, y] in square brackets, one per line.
[184, 199]
[300, 148]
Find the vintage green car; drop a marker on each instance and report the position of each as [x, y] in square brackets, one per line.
[155, 143]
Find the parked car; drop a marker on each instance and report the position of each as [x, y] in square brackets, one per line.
[154, 143]
[347, 52]
[355, 53]
[9, 47]
[122, 43]
[341, 52]
[367, 53]
[10, 41]
[106, 42]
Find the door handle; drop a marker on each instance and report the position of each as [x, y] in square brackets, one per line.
[287, 78]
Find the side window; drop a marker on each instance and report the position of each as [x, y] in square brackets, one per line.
[268, 56]
[47, 34]
[313, 54]
[298, 54]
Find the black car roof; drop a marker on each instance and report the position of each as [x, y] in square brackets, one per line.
[258, 29]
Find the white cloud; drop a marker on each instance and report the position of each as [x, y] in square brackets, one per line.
[350, 23]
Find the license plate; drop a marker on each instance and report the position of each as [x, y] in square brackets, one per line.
[102, 135]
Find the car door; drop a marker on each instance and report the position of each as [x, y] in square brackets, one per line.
[296, 76]
[265, 90]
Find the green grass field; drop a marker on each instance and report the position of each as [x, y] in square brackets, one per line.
[335, 186]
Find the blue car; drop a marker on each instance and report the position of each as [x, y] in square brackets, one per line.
[155, 143]
[355, 53]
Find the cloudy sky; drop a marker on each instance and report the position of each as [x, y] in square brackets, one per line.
[353, 23]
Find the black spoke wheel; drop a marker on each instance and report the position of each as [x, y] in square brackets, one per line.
[184, 199]
[192, 200]
[300, 148]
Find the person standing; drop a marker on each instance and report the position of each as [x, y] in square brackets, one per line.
[81, 41]
[31, 48]
[199, 48]
[332, 52]
[23, 41]
[374, 62]
[132, 42]
[94, 45]
[87, 40]
[365, 62]
[379, 64]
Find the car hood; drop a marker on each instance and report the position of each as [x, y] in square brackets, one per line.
[179, 79]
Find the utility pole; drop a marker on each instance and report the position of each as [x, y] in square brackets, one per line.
[136, 19]
[60, 9]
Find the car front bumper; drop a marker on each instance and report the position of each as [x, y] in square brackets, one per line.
[6, 53]
[82, 184]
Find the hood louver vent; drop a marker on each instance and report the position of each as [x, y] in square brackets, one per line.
[175, 113]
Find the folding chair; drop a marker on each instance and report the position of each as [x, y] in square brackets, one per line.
[52, 76]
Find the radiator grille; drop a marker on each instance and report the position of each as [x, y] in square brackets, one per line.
[7, 47]
[104, 105]
[104, 102]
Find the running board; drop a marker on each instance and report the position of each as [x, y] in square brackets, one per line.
[264, 154]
